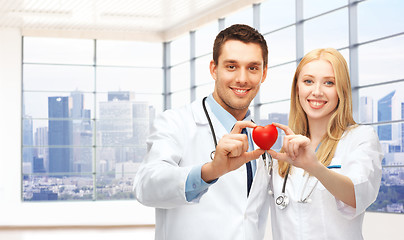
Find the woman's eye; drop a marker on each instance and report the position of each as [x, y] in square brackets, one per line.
[308, 81]
[329, 83]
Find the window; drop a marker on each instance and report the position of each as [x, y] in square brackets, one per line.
[276, 14]
[329, 30]
[86, 118]
[244, 16]
[378, 19]
[92, 111]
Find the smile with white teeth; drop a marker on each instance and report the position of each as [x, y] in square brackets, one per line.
[240, 90]
[317, 103]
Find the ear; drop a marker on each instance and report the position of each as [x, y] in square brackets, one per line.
[264, 74]
[213, 69]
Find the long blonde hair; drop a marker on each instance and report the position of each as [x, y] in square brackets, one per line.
[342, 117]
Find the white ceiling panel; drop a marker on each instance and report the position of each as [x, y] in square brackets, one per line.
[159, 20]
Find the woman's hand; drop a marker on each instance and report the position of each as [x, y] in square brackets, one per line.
[297, 150]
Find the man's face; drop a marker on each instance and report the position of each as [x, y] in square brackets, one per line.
[238, 76]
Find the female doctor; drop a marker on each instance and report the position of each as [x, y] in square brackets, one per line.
[329, 169]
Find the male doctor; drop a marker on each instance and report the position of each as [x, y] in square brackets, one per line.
[202, 189]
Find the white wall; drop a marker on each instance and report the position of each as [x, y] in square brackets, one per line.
[16, 213]
[376, 226]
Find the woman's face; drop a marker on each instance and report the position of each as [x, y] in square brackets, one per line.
[317, 91]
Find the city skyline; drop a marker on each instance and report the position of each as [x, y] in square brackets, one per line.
[66, 148]
[121, 126]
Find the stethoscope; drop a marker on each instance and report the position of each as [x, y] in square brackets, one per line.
[212, 154]
[282, 201]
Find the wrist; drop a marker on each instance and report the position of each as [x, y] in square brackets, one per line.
[316, 169]
[209, 172]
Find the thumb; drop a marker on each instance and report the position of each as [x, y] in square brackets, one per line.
[253, 154]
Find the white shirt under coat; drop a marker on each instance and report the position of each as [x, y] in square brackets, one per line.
[325, 217]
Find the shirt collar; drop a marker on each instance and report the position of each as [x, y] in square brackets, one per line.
[224, 117]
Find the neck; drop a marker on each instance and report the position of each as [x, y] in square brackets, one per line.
[318, 129]
[238, 114]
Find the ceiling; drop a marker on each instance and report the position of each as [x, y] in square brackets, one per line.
[151, 20]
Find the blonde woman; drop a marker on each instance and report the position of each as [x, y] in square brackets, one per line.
[329, 169]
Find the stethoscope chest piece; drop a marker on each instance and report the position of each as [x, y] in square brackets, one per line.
[282, 201]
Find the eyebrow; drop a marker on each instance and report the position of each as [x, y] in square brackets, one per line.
[327, 77]
[235, 61]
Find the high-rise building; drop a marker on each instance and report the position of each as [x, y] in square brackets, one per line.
[124, 126]
[384, 113]
[402, 127]
[77, 104]
[41, 141]
[390, 108]
[81, 134]
[38, 165]
[59, 136]
[28, 141]
[141, 128]
[366, 109]
[120, 96]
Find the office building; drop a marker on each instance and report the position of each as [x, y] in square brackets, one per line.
[59, 134]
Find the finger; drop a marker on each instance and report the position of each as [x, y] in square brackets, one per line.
[253, 154]
[234, 137]
[285, 144]
[296, 147]
[279, 156]
[240, 139]
[291, 151]
[234, 147]
[242, 124]
[285, 128]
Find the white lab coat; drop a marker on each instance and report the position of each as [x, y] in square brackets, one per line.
[325, 217]
[181, 139]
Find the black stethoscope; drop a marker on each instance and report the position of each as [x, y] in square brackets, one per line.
[282, 200]
[212, 154]
[211, 127]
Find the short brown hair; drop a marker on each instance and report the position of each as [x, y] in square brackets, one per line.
[243, 33]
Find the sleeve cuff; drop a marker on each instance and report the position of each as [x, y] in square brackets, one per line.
[195, 186]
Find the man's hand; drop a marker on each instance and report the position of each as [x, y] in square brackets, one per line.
[231, 153]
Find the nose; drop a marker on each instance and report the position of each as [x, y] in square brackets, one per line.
[242, 76]
[317, 91]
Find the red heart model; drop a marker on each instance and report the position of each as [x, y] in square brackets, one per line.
[265, 137]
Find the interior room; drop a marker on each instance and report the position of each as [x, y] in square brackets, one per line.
[107, 68]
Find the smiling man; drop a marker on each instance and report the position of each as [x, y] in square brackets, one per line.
[201, 172]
